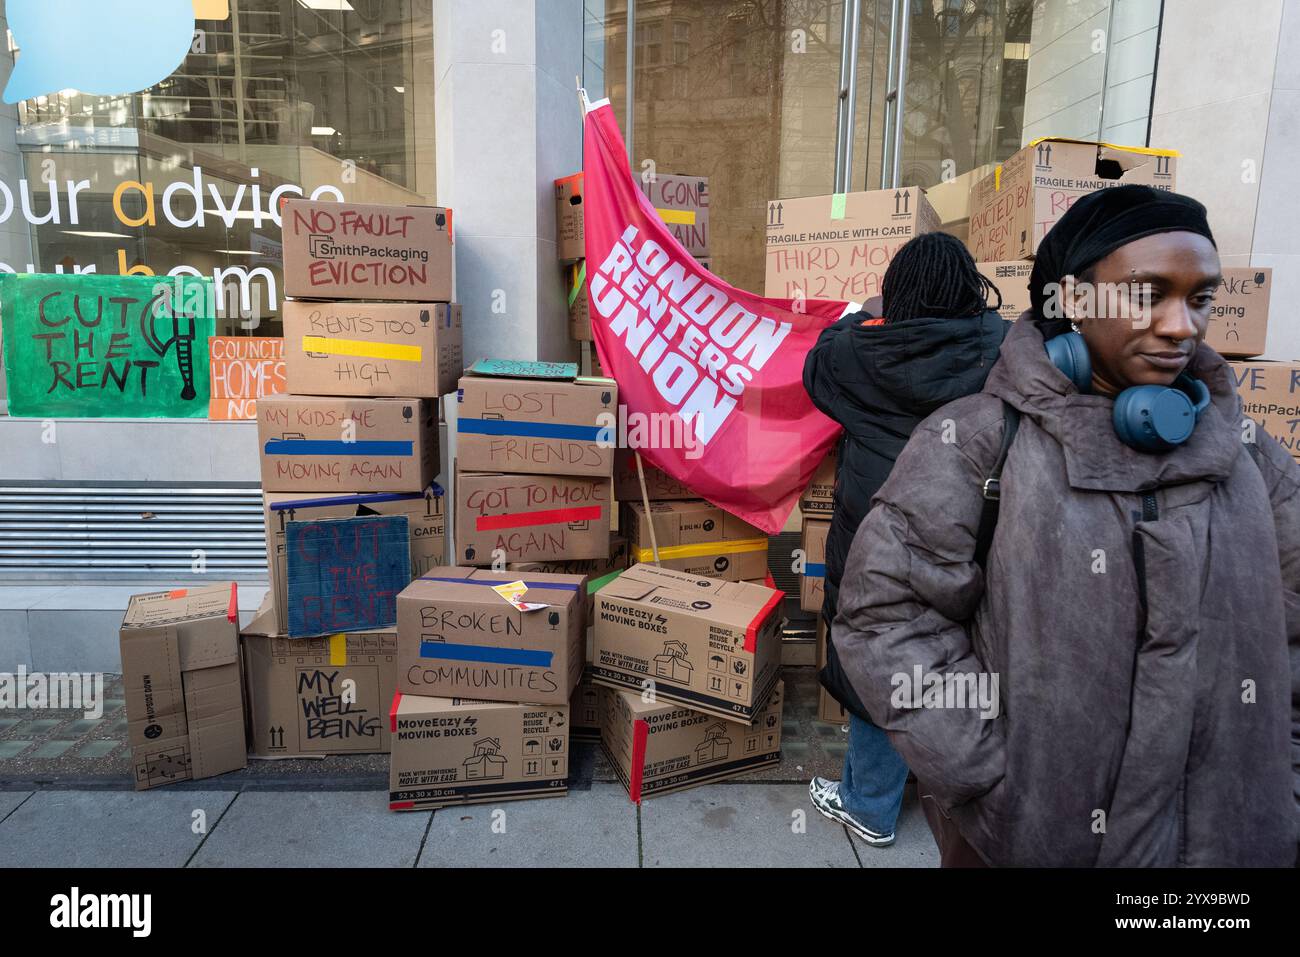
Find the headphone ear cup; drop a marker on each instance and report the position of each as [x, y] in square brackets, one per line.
[1154, 418]
[1069, 353]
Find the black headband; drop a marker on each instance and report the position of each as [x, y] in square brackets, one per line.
[1100, 222]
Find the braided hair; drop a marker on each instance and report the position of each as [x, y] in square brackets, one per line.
[933, 276]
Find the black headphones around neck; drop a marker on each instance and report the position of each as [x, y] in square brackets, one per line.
[1149, 418]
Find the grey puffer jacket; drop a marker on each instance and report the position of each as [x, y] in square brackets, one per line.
[1148, 662]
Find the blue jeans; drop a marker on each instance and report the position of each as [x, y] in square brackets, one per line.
[871, 788]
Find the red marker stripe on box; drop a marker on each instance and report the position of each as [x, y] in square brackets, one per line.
[551, 516]
[392, 712]
[232, 610]
[640, 732]
[751, 633]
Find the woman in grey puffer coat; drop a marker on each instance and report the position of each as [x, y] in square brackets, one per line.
[1140, 611]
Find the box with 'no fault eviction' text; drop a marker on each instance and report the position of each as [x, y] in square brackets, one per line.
[372, 348]
[180, 679]
[838, 247]
[711, 645]
[317, 696]
[1270, 394]
[362, 251]
[457, 751]
[696, 537]
[1013, 207]
[457, 635]
[655, 748]
[327, 444]
[527, 518]
[535, 417]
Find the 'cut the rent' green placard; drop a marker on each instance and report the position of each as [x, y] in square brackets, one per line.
[107, 346]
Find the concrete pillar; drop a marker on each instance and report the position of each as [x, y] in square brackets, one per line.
[508, 125]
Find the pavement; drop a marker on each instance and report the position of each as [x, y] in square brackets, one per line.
[66, 801]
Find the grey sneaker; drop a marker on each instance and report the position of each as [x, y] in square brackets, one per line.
[825, 797]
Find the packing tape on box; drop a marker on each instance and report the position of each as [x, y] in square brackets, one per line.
[815, 570]
[701, 548]
[339, 649]
[838, 203]
[547, 516]
[363, 349]
[579, 277]
[1144, 150]
[434, 491]
[677, 217]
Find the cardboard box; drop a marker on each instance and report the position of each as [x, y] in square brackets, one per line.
[1012, 280]
[325, 444]
[363, 251]
[575, 278]
[818, 498]
[311, 697]
[550, 423]
[658, 748]
[1239, 316]
[659, 485]
[1014, 207]
[698, 538]
[450, 751]
[1270, 394]
[597, 571]
[798, 650]
[584, 709]
[682, 202]
[829, 247]
[711, 645]
[372, 348]
[424, 511]
[180, 679]
[828, 709]
[812, 583]
[456, 636]
[569, 236]
[527, 518]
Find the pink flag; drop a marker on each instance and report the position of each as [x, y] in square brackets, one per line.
[686, 347]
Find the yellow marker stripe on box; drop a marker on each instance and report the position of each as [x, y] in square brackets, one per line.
[339, 649]
[362, 349]
[703, 548]
[677, 217]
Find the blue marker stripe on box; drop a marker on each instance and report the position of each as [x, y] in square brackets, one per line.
[815, 570]
[486, 654]
[558, 586]
[535, 430]
[435, 489]
[337, 447]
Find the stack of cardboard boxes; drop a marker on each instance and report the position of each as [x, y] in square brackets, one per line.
[349, 455]
[491, 651]
[689, 669]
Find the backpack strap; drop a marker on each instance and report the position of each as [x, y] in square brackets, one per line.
[992, 488]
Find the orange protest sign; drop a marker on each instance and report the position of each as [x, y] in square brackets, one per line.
[243, 369]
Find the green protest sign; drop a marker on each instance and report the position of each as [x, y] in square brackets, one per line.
[107, 346]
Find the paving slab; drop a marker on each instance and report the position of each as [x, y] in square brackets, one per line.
[107, 828]
[313, 829]
[593, 828]
[9, 800]
[741, 825]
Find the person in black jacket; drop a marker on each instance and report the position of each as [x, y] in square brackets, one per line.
[934, 341]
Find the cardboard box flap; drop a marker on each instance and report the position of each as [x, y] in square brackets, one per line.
[474, 584]
[182, 604]
[414, 705]
[522, 369]
[669, 578]
[289, 502]
[263, 624]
